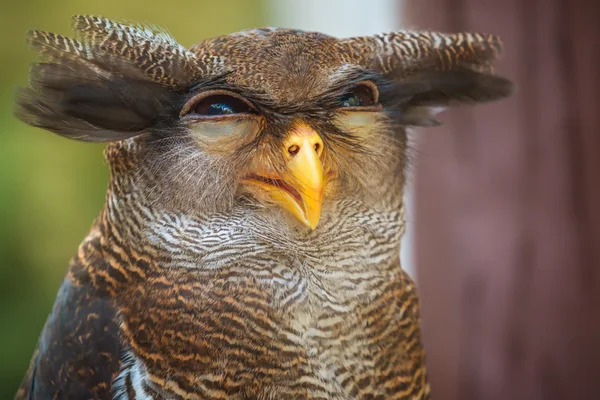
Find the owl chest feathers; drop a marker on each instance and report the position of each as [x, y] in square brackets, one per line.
[345, 262]
[234, 302]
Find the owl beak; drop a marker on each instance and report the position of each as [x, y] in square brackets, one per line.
[300, 189]
[305, 175]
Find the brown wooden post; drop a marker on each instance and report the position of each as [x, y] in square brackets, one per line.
[507, 200]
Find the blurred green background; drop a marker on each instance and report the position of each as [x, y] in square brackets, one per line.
[52, 188]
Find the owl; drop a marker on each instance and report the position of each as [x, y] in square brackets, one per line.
[249, 243]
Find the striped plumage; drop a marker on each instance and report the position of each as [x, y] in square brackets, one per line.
[195, 282]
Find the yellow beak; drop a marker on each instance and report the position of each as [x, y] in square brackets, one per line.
[300, 191]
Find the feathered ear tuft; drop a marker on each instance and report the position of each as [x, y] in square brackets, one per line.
[115, 83]
[433, 70]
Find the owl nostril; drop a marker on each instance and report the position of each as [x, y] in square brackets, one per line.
[293, 149]
[317, 148]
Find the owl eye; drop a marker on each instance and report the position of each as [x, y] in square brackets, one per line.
[217, 105]
[221, 105]
[362, 95]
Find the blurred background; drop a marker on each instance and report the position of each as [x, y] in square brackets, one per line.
[504, 224]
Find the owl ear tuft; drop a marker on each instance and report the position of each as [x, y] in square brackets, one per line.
[431, 71]
[423, 95]
[79, 103]
[113, 84]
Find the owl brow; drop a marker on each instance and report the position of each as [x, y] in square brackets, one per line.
[219, 82]
[207, 83]
[321, 104]
[346, 81]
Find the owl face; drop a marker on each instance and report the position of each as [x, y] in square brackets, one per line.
[296, 128]
[275, 118]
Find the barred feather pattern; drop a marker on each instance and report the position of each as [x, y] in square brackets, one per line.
[236, 306]
[407, 52]
[150, 52]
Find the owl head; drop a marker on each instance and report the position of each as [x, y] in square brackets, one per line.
[285, 120]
